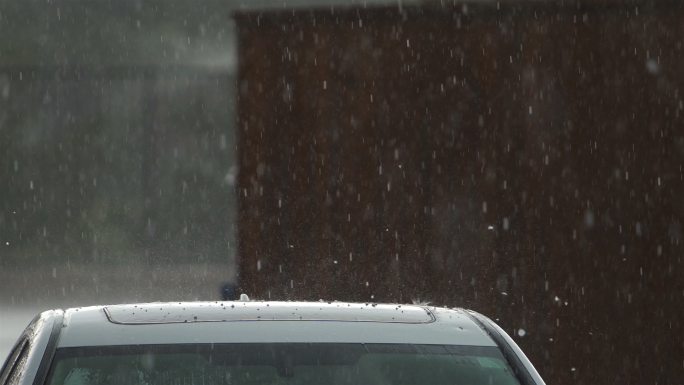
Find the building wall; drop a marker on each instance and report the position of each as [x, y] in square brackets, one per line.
[523, 159]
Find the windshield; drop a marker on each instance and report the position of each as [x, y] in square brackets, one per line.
[281, 364]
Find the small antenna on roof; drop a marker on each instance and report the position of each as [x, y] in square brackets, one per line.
[244, 297]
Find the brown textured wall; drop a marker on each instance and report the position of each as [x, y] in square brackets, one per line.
[524, 160]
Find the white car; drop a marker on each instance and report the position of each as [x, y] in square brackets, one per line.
[265, 343]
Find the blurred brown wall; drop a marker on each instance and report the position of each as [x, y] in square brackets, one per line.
[524, 160]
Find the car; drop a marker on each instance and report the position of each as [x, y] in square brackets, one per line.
[265, 343]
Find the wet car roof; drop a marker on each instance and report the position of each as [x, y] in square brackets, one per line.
[268, 322]
[272, 311]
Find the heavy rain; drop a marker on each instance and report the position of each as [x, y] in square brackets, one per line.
[521, 158]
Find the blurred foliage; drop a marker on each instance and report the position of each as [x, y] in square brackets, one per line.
[116, 138]
[106, 33]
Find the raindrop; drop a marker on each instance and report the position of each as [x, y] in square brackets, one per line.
[589, 219]
[231, 177]
[652, 66]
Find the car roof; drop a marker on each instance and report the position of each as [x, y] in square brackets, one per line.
[155, 313]
[268, 322]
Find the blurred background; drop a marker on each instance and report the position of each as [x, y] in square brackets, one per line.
[521, 158]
